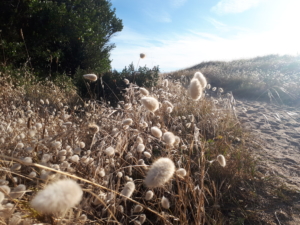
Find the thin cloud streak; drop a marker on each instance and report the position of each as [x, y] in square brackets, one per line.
[234, 6]
[177, 3]
[159, 16]
[224, 27]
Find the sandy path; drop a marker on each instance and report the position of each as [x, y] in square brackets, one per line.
[278, 128]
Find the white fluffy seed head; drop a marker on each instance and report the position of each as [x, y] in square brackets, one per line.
[137, 208]
[18, 191]
[144, 91]
[165, 83]
[140, 148]
[195, 89]
[160, 172]
[149, 195]
[156, 132]
[81, 144]
[32, 174]
[75, 158]
[165, 203]
[142, 218]
[150, 103]
[38, 126]
[128, 189]
[177, 140]
[181, 172]
[109, 151]
[57, 197]
[119, 174]
[127, 122]
[139, 140]
[91, 77]
[169, 138]
[201, 78]
[126, 81]
[169, 110]
[221, 159]
[5, 189]
[147, 154]
[93, 128]
[20, 145]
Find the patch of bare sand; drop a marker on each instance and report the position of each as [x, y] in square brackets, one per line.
[277, 129]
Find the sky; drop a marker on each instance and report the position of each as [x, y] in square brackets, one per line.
[177, 34]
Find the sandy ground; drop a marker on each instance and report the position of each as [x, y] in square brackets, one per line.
[277, 129]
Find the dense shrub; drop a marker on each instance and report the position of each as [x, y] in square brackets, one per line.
[57, 36]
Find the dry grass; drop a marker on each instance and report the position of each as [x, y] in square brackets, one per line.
[271, 77]
[32, 127]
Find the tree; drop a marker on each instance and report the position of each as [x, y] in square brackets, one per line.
[58, 35]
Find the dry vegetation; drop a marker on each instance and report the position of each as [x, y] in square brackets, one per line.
[269, 77]
[49, 134]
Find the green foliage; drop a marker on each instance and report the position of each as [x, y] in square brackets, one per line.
[58, 36]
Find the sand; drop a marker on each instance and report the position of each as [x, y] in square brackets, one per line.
[277, 131]
[277, 128]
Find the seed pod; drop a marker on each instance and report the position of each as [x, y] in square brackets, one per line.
[160, 172]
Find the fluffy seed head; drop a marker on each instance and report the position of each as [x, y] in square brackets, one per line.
[94, 128]
[142, 218]
[181, 172]
[142, 55]
[156, 132]
[5, 189]
[127, 122]
[165, 202]
[201, 78]
[221, 159]
[144, 91]
[126, 81]
[149, 195]
[137, 208]
[140, 148]
[91, 77]
[57, 197]
[165, 83]
[169, 138]
[195, 89]
[147, 154]
[109, 151]
[128, 189]
[169, 110]
[160, 172]
[18, 191]
[150, 103]
[139, 140]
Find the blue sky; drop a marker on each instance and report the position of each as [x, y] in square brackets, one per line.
[176, 34]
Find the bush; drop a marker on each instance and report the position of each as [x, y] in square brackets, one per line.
[58, 36]
[111, 86]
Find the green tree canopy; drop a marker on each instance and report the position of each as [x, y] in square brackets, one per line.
[59, 35]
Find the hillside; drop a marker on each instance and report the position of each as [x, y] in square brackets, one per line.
[272, 77]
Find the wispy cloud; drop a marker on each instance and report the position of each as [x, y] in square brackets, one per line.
[234, 6]
[175, 52]
[224, 27]
[177, 3]
[159, 15]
